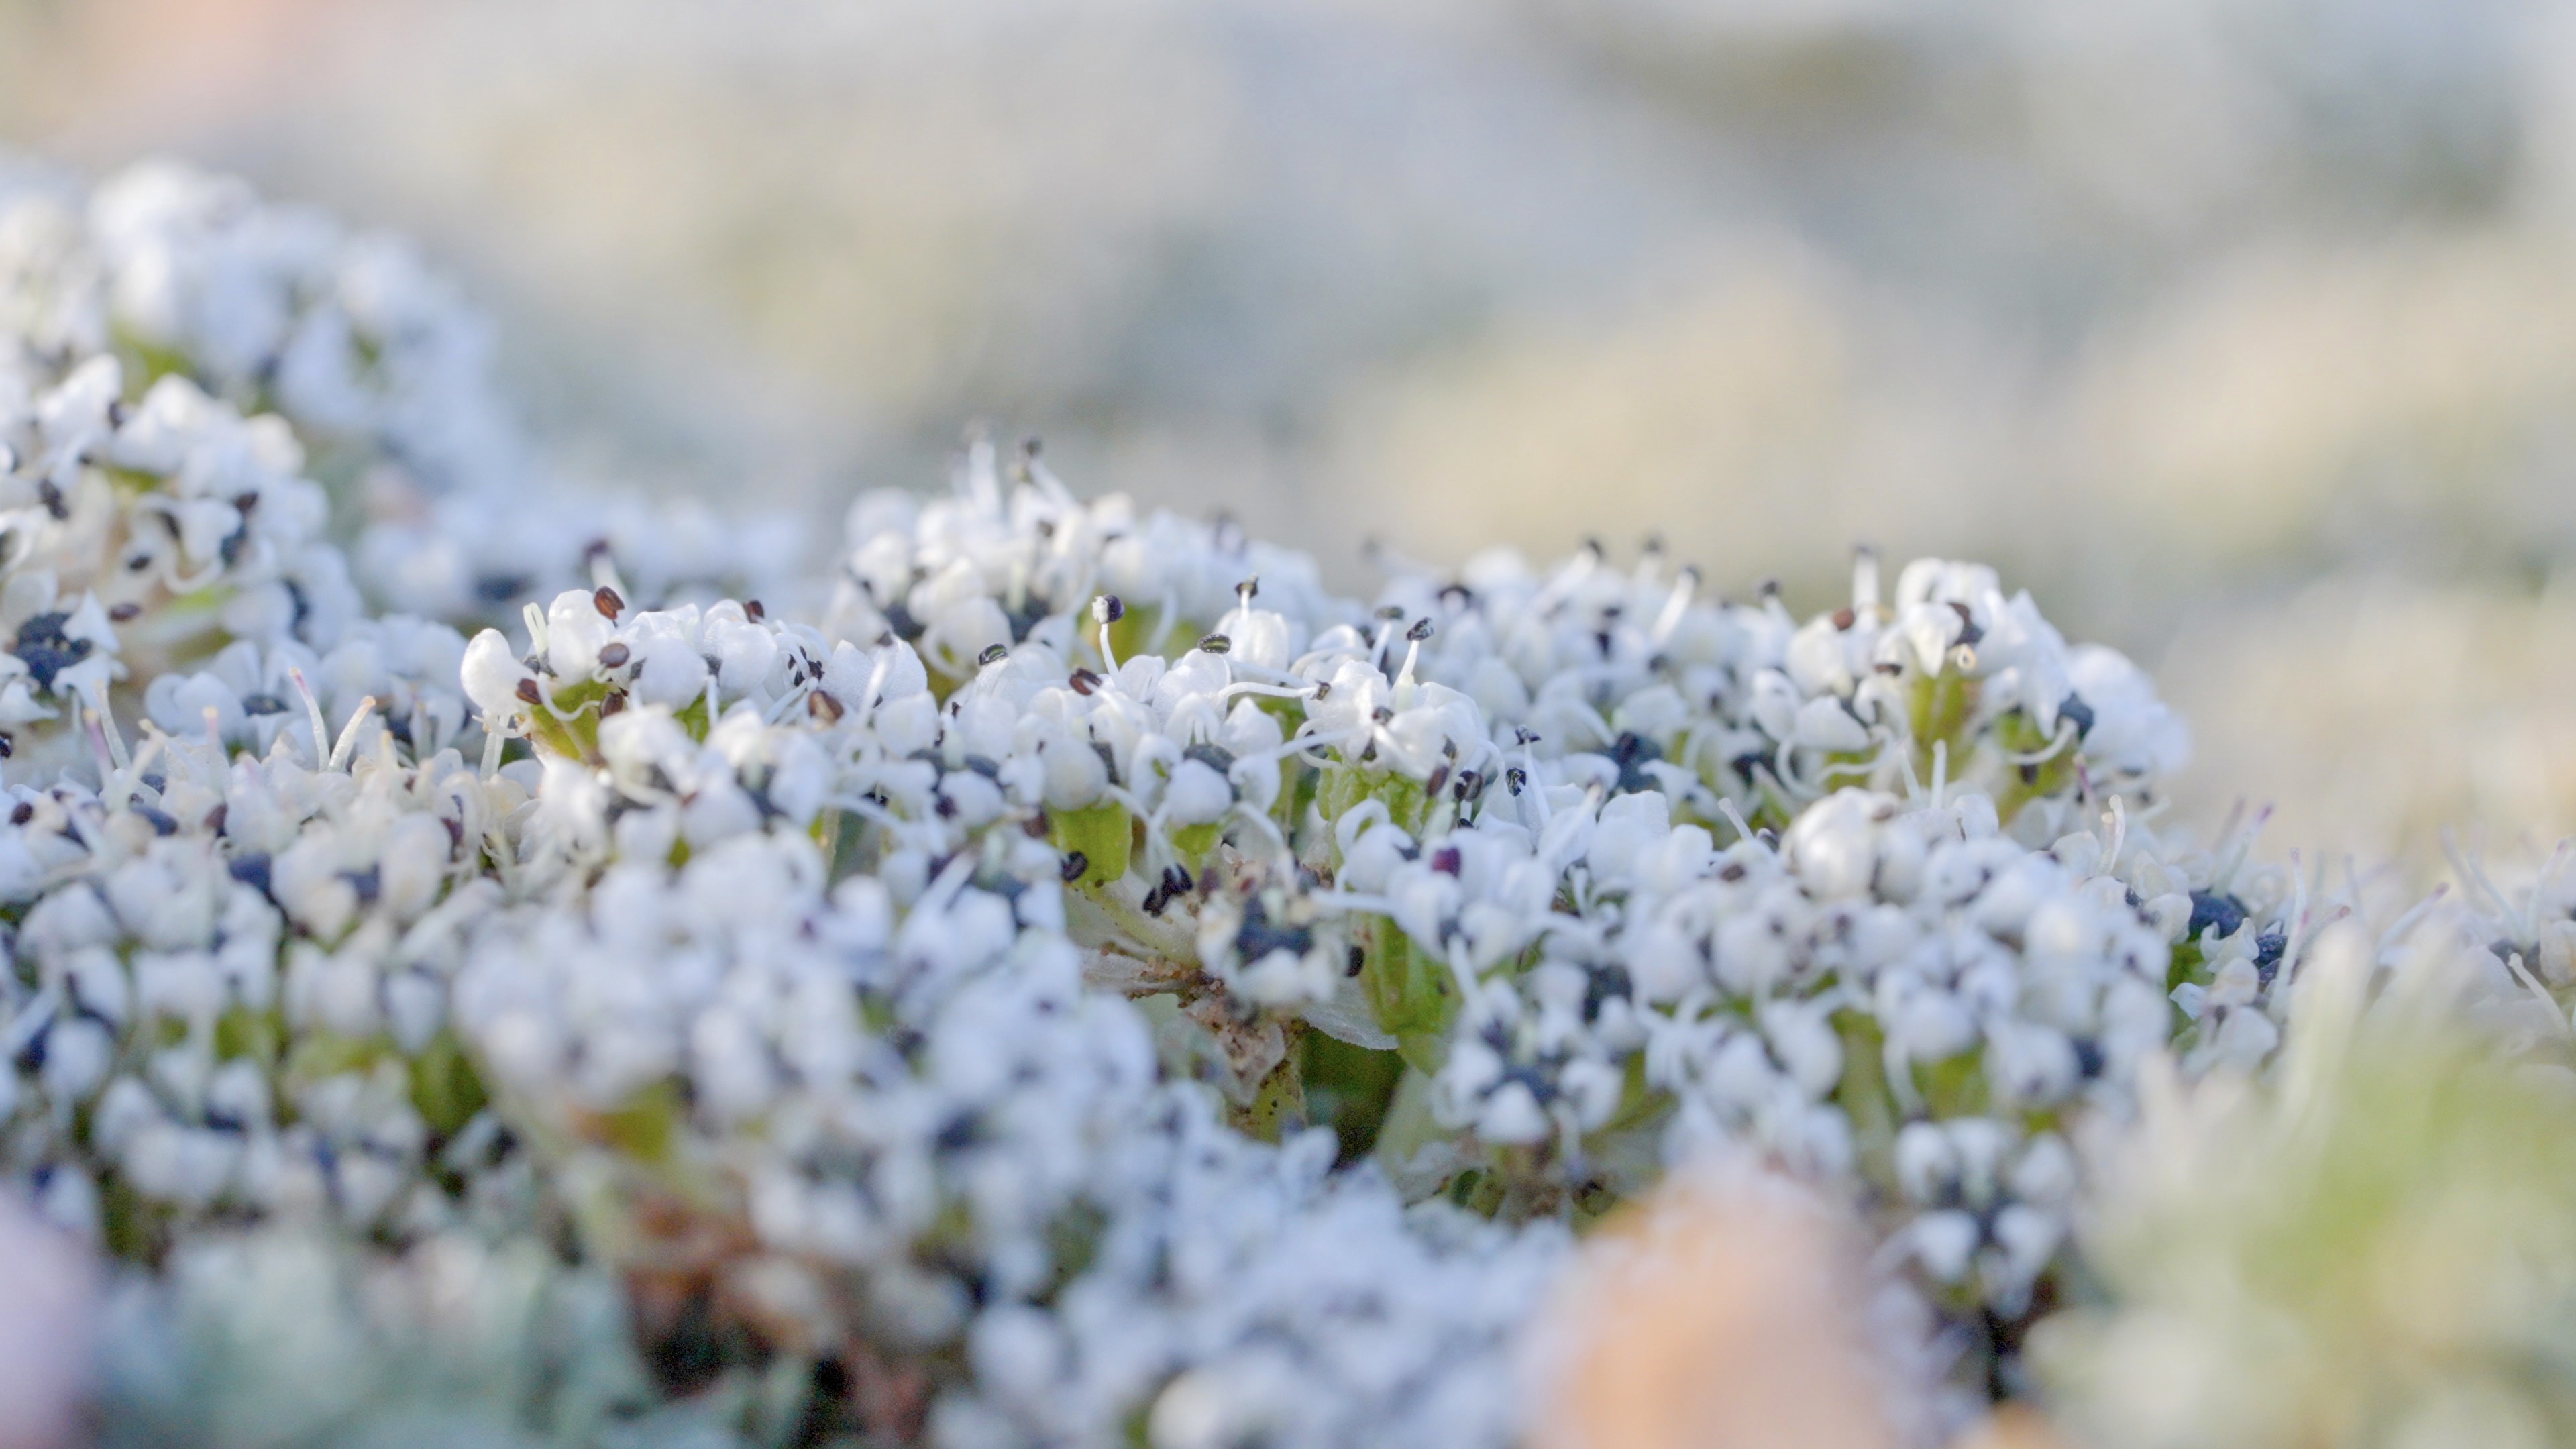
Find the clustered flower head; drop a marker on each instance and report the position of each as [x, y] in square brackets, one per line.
[1066, 977]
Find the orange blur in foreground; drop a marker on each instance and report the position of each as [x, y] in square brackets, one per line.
[1718, 1319]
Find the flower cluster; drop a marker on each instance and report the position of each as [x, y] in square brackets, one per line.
[1069, 977]
[272, 346]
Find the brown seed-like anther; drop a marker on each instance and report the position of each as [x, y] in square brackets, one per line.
[613, 704]
[614, 656]
[605, 599]
[751, 609]
[528, 692]
[125, 611]
[823, 707]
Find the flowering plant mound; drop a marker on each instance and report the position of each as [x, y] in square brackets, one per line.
[1062, 976]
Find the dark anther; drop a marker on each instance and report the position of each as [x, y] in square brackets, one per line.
[2210, 908]
[1391, 611]
[528, 691]
[751, 609]
[1215, 644]
[2074, 708]
[1845, 618]
[1447, 860]
[1353, 960]
[614, 703]
[1083, 681]
[993, 653]
[1108, 609]
[1421, 629]
[1258, 938]
[614, 656]
[251, 870]
[1075, 863]
[47, 650]
[1600, 984]
[959, 1132]
[125, 611]
[2267, 954]
[824, 707]
[606, 601]
[1632, 752]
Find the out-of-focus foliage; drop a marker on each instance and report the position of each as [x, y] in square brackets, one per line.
[2374, 1246]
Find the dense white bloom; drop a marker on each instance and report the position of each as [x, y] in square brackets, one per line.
[769, 945]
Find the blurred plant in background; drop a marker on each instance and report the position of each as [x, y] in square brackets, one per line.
[2376, 1245]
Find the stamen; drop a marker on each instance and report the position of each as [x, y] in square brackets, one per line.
[1106, 610]
[1676, 606]
[348, 742]
[313, 714]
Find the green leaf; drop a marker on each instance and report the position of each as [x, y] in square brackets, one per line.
[1104, 834]
[445, 1088]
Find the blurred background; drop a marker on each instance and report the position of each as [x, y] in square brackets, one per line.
[2242, 331]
